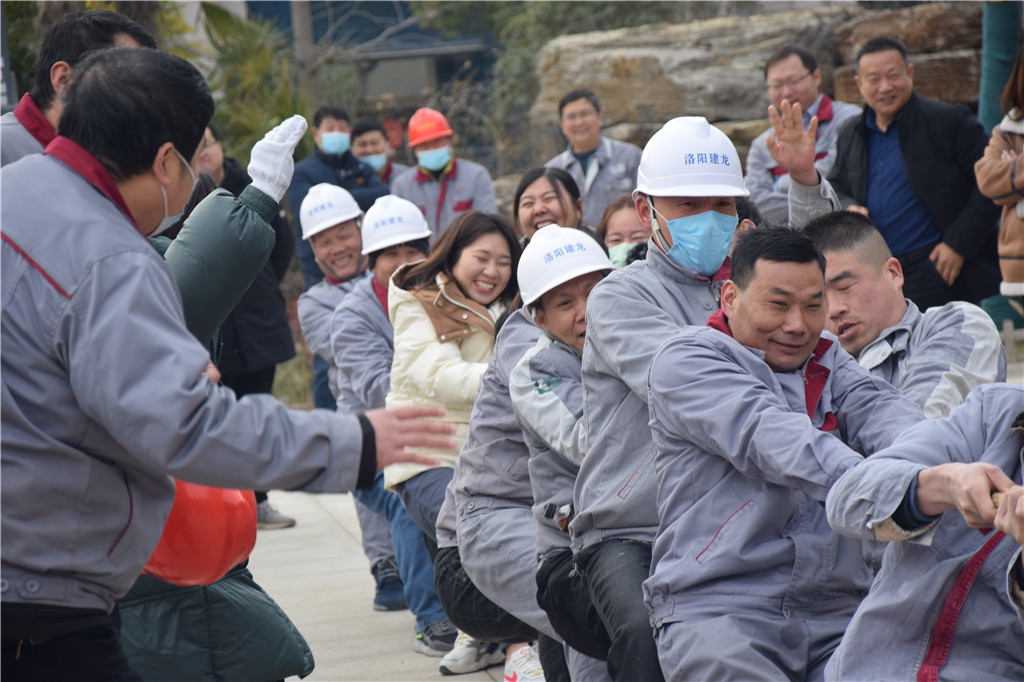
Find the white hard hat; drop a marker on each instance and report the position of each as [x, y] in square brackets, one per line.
[390, 221]
[325, 206]
[689, 157]
[554, 256]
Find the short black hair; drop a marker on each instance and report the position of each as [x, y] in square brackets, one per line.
[579, 93]
[787, 51]
[747, 210]
[75, 35]
[329, 112]
[421, 245]
[882, 44]
[775, 244]
[848, 230]
[368, 125]
[214, 131]
[125, 102]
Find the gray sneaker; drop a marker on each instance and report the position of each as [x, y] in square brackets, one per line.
[268, 518]
[437, 639]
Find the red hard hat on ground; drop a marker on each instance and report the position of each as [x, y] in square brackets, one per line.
[426, 125]
[209, 532]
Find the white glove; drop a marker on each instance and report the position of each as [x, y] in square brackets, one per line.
[271, 163]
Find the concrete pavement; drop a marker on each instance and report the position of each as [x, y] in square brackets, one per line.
[318, 574]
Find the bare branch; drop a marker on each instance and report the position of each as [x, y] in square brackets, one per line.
[333, 54]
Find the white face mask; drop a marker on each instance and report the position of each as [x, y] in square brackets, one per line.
[170, 220]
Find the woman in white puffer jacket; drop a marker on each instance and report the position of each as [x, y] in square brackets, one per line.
[444, 311]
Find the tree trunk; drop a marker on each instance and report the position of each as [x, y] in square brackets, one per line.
[303, 47]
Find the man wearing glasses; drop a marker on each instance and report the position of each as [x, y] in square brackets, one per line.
[603, 169]
[792, 74]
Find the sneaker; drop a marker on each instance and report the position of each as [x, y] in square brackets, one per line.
[436, 640]
[524, 666]
[268, 518]
[469, 655]
[390, 590]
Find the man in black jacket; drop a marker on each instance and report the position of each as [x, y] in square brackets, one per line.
[908, 162]
[256, 335]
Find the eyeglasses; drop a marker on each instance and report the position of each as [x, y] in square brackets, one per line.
[775, 86]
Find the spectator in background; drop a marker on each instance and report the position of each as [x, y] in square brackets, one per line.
[1000, 174]
[793, 75]
[33, 123]
[620, 229]
[602, 168]
[546, 196]
[442, 186]
[887, 162]
[332, 163]
[256, 335]
[370, 146]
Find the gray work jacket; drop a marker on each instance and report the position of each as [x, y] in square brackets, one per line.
[362, 345]
[903, 615]
[610, 173]
[492, 471]
[315, 308]
[745, 456]
[630, 313]
[937, 357]
[104, 399]
[547, 394]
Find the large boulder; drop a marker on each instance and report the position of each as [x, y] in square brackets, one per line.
[924, 29]
[649, 74]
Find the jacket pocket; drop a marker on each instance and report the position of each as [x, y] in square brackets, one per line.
[724, 532]
[637, 475]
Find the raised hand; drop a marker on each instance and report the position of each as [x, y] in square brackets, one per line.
[790, 145]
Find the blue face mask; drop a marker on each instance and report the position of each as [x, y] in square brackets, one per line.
[701, 242]
[434, 159]
[335, 143]
[374, 161]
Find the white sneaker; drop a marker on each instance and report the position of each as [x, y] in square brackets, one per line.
[524, 666]
[469, 655]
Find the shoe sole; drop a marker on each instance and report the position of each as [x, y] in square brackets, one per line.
[273, 526]
[447, 671]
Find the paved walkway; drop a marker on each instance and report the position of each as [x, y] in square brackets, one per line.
[318, 574]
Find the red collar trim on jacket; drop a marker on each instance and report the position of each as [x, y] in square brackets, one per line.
[825, 109]
[388, 170]
[717, 321]
[29, 115]
[427, 177]
[381, 291]
[86, 165]
[815, 375]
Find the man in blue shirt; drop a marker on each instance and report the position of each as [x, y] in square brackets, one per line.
[908, 162]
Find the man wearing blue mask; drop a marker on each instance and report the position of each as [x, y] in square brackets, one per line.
[442, 186]
[333, 162]
[687, 181]
[370, 145]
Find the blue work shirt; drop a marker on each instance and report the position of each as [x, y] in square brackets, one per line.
[894, 208]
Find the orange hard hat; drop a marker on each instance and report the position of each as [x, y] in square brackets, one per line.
[426, 125]
[209, 532]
